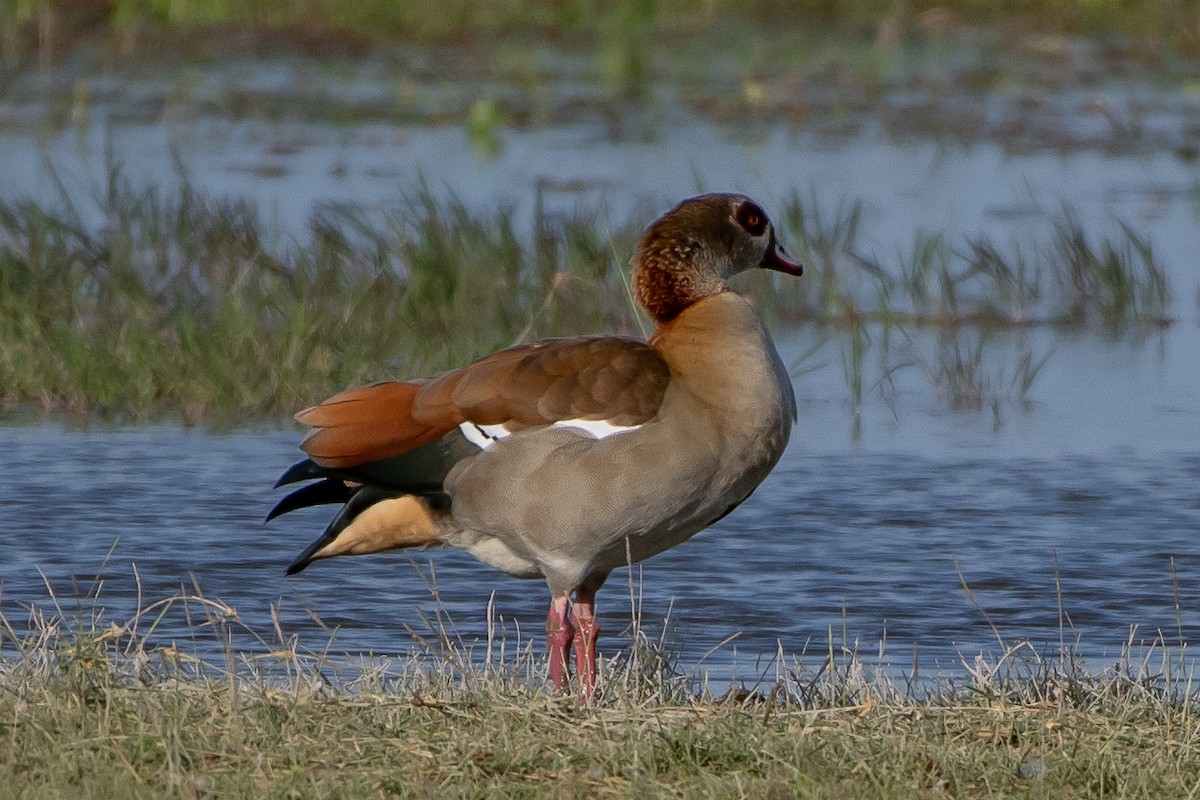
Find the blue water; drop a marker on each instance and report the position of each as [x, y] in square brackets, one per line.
[1071, 513]
[1065, 525]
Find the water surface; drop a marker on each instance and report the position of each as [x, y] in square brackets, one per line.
[1076, 519]
[1072, 513]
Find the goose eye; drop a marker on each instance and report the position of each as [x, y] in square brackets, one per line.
[752, 219]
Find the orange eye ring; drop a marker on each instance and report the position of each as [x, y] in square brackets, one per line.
[751, 218]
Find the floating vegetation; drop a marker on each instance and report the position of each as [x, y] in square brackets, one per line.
[144, 302]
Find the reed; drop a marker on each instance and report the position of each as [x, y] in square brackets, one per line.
[142, 301]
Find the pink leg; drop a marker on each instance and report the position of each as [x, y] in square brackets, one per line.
[587, 629]
[559, 634]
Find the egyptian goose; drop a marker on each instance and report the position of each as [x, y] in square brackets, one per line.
[571, 457]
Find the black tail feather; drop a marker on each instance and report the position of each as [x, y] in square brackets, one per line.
[305, 470]
[421, 471]
[324, 492]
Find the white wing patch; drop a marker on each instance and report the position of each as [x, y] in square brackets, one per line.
[600, 428]
[484, 436]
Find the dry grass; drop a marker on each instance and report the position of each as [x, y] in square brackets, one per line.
[95, 708]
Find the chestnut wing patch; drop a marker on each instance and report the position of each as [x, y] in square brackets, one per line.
[606, 378]
[367, 424]
[616, 380]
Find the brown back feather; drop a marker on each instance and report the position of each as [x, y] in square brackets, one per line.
[598, 378]
[367, 424]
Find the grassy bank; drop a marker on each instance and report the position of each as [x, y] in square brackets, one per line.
[957, 72]
[93, 708]
[636, 22]
[149, 303]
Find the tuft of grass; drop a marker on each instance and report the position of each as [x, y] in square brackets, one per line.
[92, 707]
[959, 375]
[826, 242]
[1013, 282]
[143, 301]
[1118, 282]
[1073, 279]
[192, 303]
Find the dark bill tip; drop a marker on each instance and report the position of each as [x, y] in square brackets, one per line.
[777, 258]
